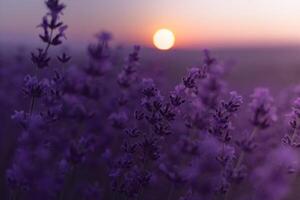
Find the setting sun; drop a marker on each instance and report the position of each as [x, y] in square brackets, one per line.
[163, 39]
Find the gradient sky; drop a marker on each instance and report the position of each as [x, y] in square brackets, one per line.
[194, 22]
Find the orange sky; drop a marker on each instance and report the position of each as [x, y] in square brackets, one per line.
[194, 22]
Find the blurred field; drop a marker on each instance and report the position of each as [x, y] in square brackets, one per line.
[274, 67]
[277, 67]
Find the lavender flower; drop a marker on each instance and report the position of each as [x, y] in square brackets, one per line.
[221, 124]
[264, 112]
[64, 58]
[50, 24]
[33, 87]
[294, 116]
[110, 129]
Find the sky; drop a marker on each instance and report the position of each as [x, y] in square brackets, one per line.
[195, 23]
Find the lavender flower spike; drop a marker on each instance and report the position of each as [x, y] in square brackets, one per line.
[264, 112]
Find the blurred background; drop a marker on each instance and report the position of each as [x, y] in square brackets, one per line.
[260, 38]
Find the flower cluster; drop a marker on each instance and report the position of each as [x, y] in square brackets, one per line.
[53, 33]
[264, 113]
[107, 129]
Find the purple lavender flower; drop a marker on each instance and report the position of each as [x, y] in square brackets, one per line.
[272, 178]
[104, 36]
[109, 129]
[119, 120]
[221, 124]
[128, 75]
[41, 59]
[99, 54]
[55, 6]
[33, 87]
[53, 32]
[64, 58]
[294, 116]
[264, 112]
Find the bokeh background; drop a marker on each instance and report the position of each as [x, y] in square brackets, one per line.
[260, 38]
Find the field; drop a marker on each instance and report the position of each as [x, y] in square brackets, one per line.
[138, 123]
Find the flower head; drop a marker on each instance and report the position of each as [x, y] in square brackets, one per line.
[264, 112]
[55, 6]
[33, 87]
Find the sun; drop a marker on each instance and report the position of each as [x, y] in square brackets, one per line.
[163, 39]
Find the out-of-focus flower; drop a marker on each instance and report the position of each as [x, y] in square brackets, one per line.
[104, 36]
[33, 87]
[92, 192]
[193, 75]
[263, 110]
[221, 124]
[20, 117]
[127, 77]
[41, 59]
[118, 120]
[55, 6]
[208, 60]
[294, 122]
[64, 58]
[272, 179]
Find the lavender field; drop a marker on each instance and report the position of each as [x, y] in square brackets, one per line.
[138, 123]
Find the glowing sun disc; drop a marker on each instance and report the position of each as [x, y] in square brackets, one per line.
[163, 39]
